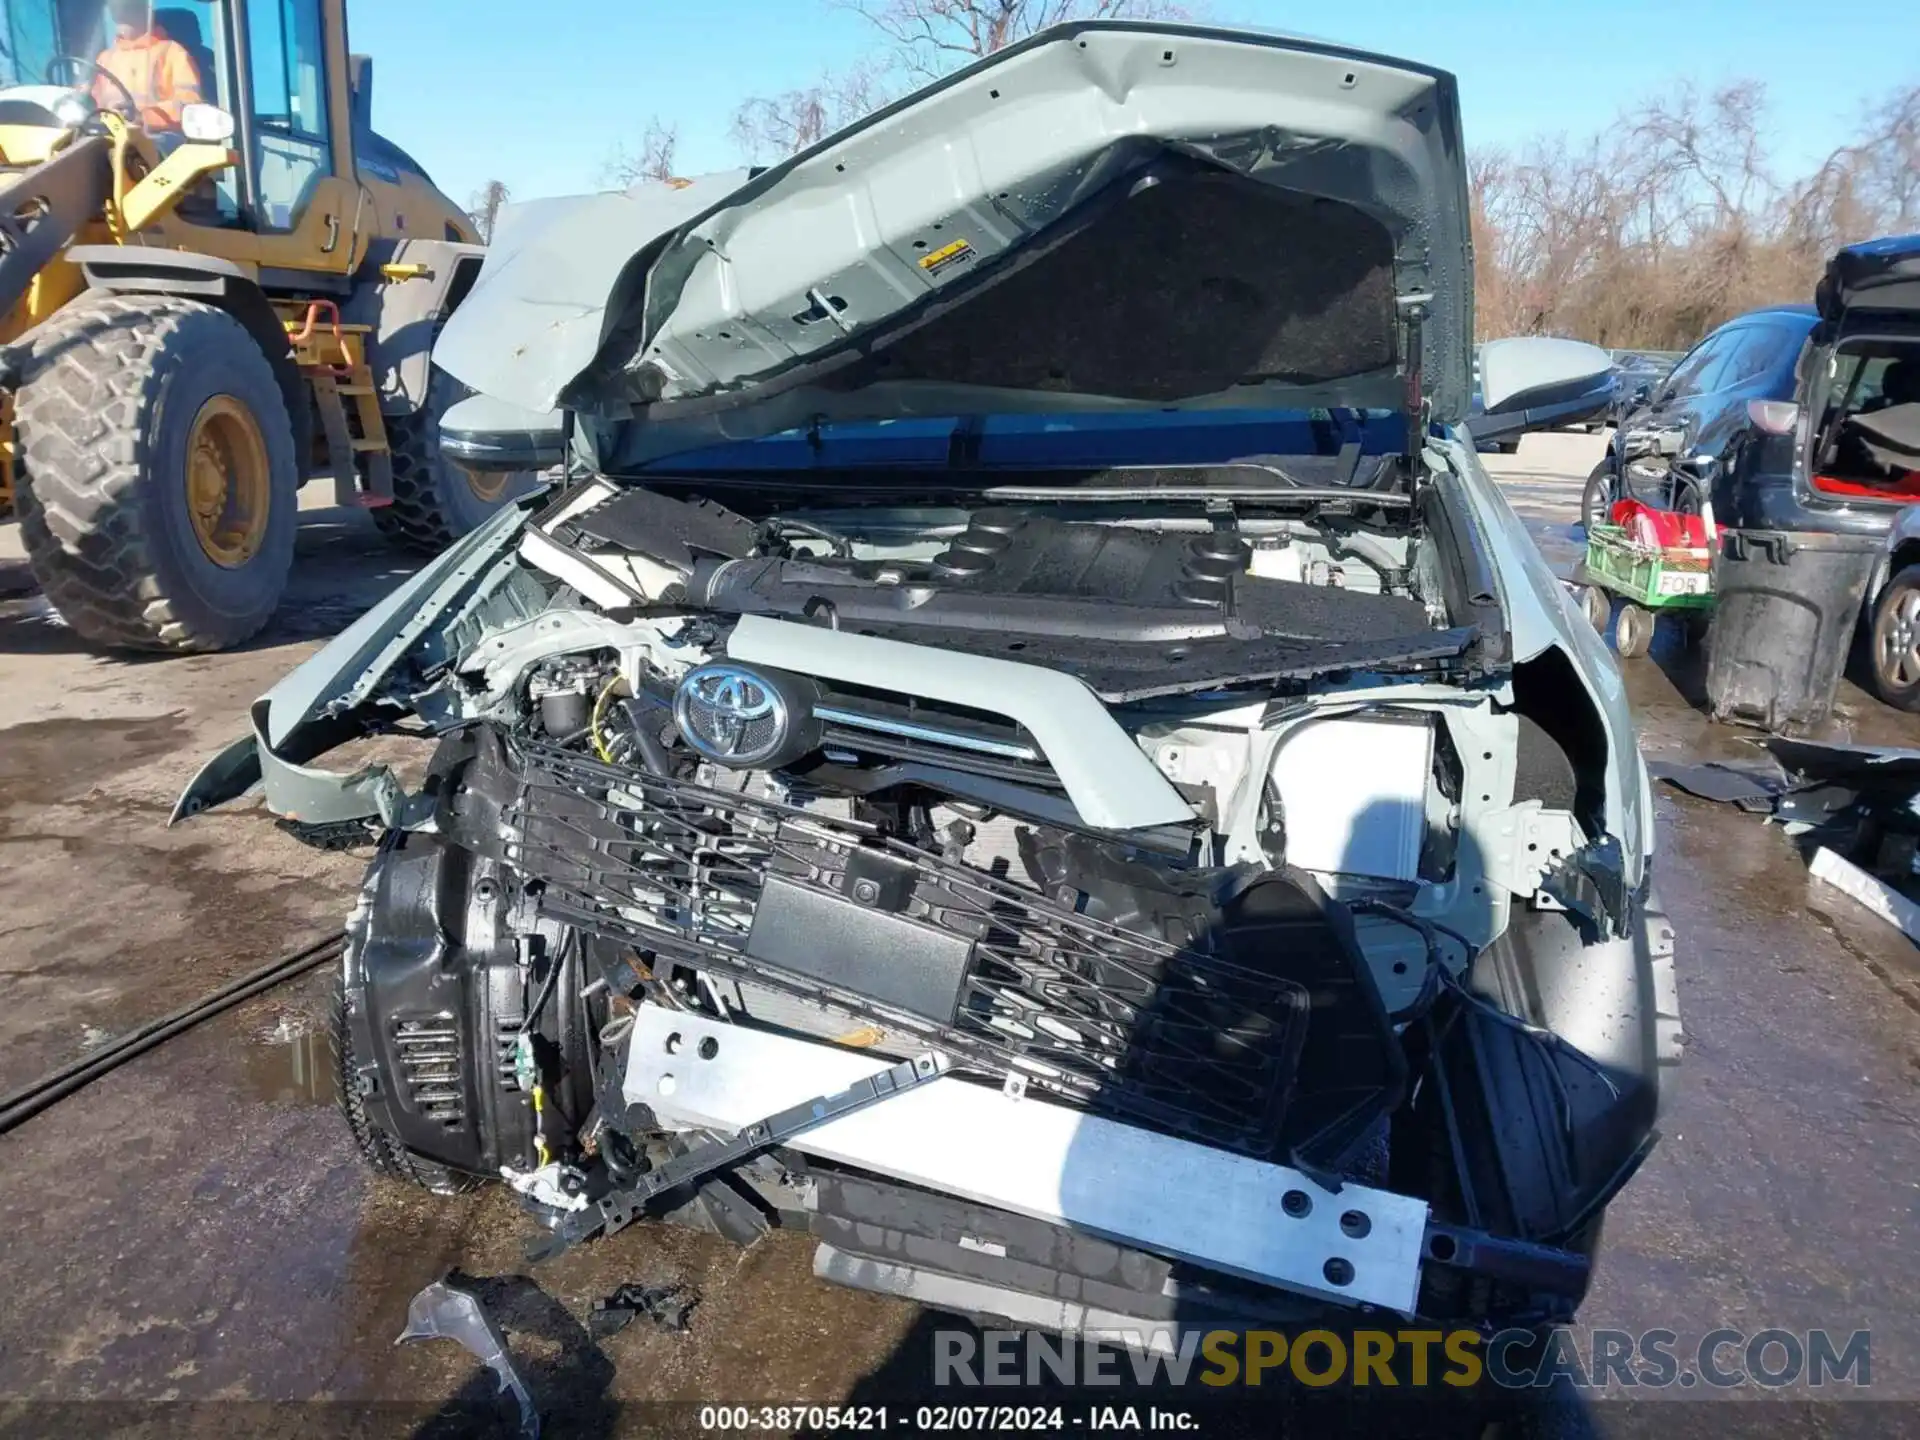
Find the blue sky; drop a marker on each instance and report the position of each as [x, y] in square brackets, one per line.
[540, 95]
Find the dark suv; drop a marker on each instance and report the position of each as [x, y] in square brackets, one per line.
[1807, 496]
[1664, 452]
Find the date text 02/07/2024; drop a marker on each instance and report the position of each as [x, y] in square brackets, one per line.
[937, 1419]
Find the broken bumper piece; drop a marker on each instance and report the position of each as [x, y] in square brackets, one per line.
[384, 659]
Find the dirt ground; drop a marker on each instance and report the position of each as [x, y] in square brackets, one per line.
[196, 1228]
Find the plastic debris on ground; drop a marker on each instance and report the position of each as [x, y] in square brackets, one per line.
[1878, 896]
[449, 1310]
[1853, 809]
[667, 1306]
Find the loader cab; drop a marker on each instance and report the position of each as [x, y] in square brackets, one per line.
[58, 43]
[297, 110]
[264, 64]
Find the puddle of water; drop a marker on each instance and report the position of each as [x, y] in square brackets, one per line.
[1562, 545]
[292, 1072]
[49, 762]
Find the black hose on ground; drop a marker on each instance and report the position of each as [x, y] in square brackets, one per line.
[49, 1090]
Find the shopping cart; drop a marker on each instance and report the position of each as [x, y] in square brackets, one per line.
[1626, 584]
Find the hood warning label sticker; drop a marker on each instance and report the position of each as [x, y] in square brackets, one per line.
[948, 257]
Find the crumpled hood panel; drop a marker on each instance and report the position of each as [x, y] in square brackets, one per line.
[536, 317]
[739, 305]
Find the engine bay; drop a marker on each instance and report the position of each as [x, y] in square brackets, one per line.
[1132, 608]
[1119, 675]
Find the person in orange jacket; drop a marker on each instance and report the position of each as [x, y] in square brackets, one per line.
[157, 71]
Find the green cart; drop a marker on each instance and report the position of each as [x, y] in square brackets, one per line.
[1647, 581]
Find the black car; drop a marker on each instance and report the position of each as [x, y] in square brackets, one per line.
[1637, 375]
[1666, 451]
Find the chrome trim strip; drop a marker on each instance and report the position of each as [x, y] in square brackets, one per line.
[907, 730]
[1110, 780]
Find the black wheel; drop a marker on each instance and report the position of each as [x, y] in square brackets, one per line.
[382, 1152]
[1596, 501]
[1896, 641]
[157, 483]
[1633, 631]
[1599, 607]
[435, 501]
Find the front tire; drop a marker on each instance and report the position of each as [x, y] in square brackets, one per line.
[435, 501]
[1895, 642]
[1596, 500]
[157, 483]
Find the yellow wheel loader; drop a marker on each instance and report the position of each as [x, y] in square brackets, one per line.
[216, 283]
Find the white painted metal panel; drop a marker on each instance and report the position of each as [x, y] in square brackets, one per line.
[1354, 796]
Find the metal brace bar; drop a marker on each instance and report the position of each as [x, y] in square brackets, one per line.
[1078, 1172]
[619, 1208]
[1539, 1267]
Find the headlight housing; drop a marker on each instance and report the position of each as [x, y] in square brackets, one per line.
[1352, 795]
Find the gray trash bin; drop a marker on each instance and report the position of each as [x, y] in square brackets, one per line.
[1785, 610]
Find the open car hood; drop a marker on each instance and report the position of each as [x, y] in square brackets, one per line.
[1103, 218]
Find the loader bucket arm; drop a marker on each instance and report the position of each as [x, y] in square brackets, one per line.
[44, 208]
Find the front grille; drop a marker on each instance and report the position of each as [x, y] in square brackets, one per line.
[876, 725]
[429, 1053]
[1176, 1038]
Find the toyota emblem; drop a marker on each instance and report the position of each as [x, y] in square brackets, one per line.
[731, 715]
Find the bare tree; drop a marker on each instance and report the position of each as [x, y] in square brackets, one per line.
[932, 37]
[1676, 218]
[1893, 160]
[485, 206]
[1879, 174]
[1711, 149]
[769, 128]
[652, 162]
[921, 39]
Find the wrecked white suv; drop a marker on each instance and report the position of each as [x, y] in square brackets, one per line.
[1027, 744]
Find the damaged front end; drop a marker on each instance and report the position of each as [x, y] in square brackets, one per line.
[1302, 890]
[1147, 890]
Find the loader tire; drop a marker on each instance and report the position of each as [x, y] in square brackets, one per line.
[435, 501]
[157, 484]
